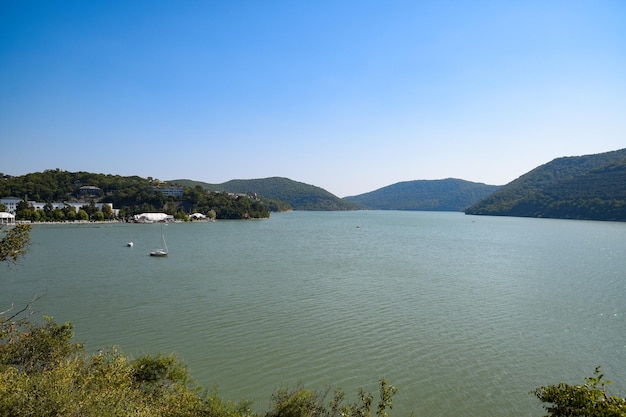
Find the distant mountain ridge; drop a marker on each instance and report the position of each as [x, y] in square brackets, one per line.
[449, 194]
[299, 195]
[588, 187]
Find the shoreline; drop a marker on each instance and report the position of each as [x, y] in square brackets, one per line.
[100, 222]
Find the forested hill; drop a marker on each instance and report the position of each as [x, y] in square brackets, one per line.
[131, 195]
[299, 195]
[437, 195]
[590, 187]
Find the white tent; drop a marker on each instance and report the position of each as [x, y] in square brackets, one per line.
[153, 217]
[6, 218]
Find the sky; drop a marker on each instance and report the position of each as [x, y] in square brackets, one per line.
[349, 96]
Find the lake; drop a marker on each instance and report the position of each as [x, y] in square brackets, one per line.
[464, 314]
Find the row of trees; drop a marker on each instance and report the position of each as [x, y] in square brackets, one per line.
[49, 213]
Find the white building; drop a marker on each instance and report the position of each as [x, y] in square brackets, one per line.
[10, 204]
[171, 191]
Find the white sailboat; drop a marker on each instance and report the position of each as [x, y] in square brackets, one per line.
[163, 250]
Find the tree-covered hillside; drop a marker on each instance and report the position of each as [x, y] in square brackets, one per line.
[591, 187]
[58, 185]
[132, 195]
[436, 195]
[300, 196]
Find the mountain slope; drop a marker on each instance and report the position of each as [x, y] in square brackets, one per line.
[591, 187]
[437, 195]
[299, 195]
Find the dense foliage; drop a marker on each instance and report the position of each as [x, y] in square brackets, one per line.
[223, 205]
[58, 185]
[591, 187]
[44, 373]
[14, 242]
[436, 195]
[590, 399]
[132, 195]
[297, 195]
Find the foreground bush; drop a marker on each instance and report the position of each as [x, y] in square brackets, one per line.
[590, 399]
[44, 373]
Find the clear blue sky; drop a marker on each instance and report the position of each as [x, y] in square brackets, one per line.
[346, 95]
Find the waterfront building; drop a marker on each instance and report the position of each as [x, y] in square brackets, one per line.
[6, 218]
[170, 191]
[10, 203]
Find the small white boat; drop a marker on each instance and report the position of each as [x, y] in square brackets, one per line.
[130, 244]
[161, 251]
[158, 252]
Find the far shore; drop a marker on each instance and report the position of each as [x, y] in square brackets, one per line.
[87, 222]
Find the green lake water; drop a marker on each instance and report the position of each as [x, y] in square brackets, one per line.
[464, 314]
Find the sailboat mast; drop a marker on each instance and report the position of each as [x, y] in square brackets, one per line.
[163, 240]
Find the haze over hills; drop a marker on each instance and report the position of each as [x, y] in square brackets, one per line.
[590, 187]
[449, 194]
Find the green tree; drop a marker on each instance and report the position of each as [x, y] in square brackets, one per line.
[69, 213]
[30, 347]
[82, 215]
[47, 210]
[91, 209]
[590, 399]
[14, 241]
[107, 212]
[125, 212]
[302, 402]
[181, 215]
[37, 216]
[58, 215]
[24, 211]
